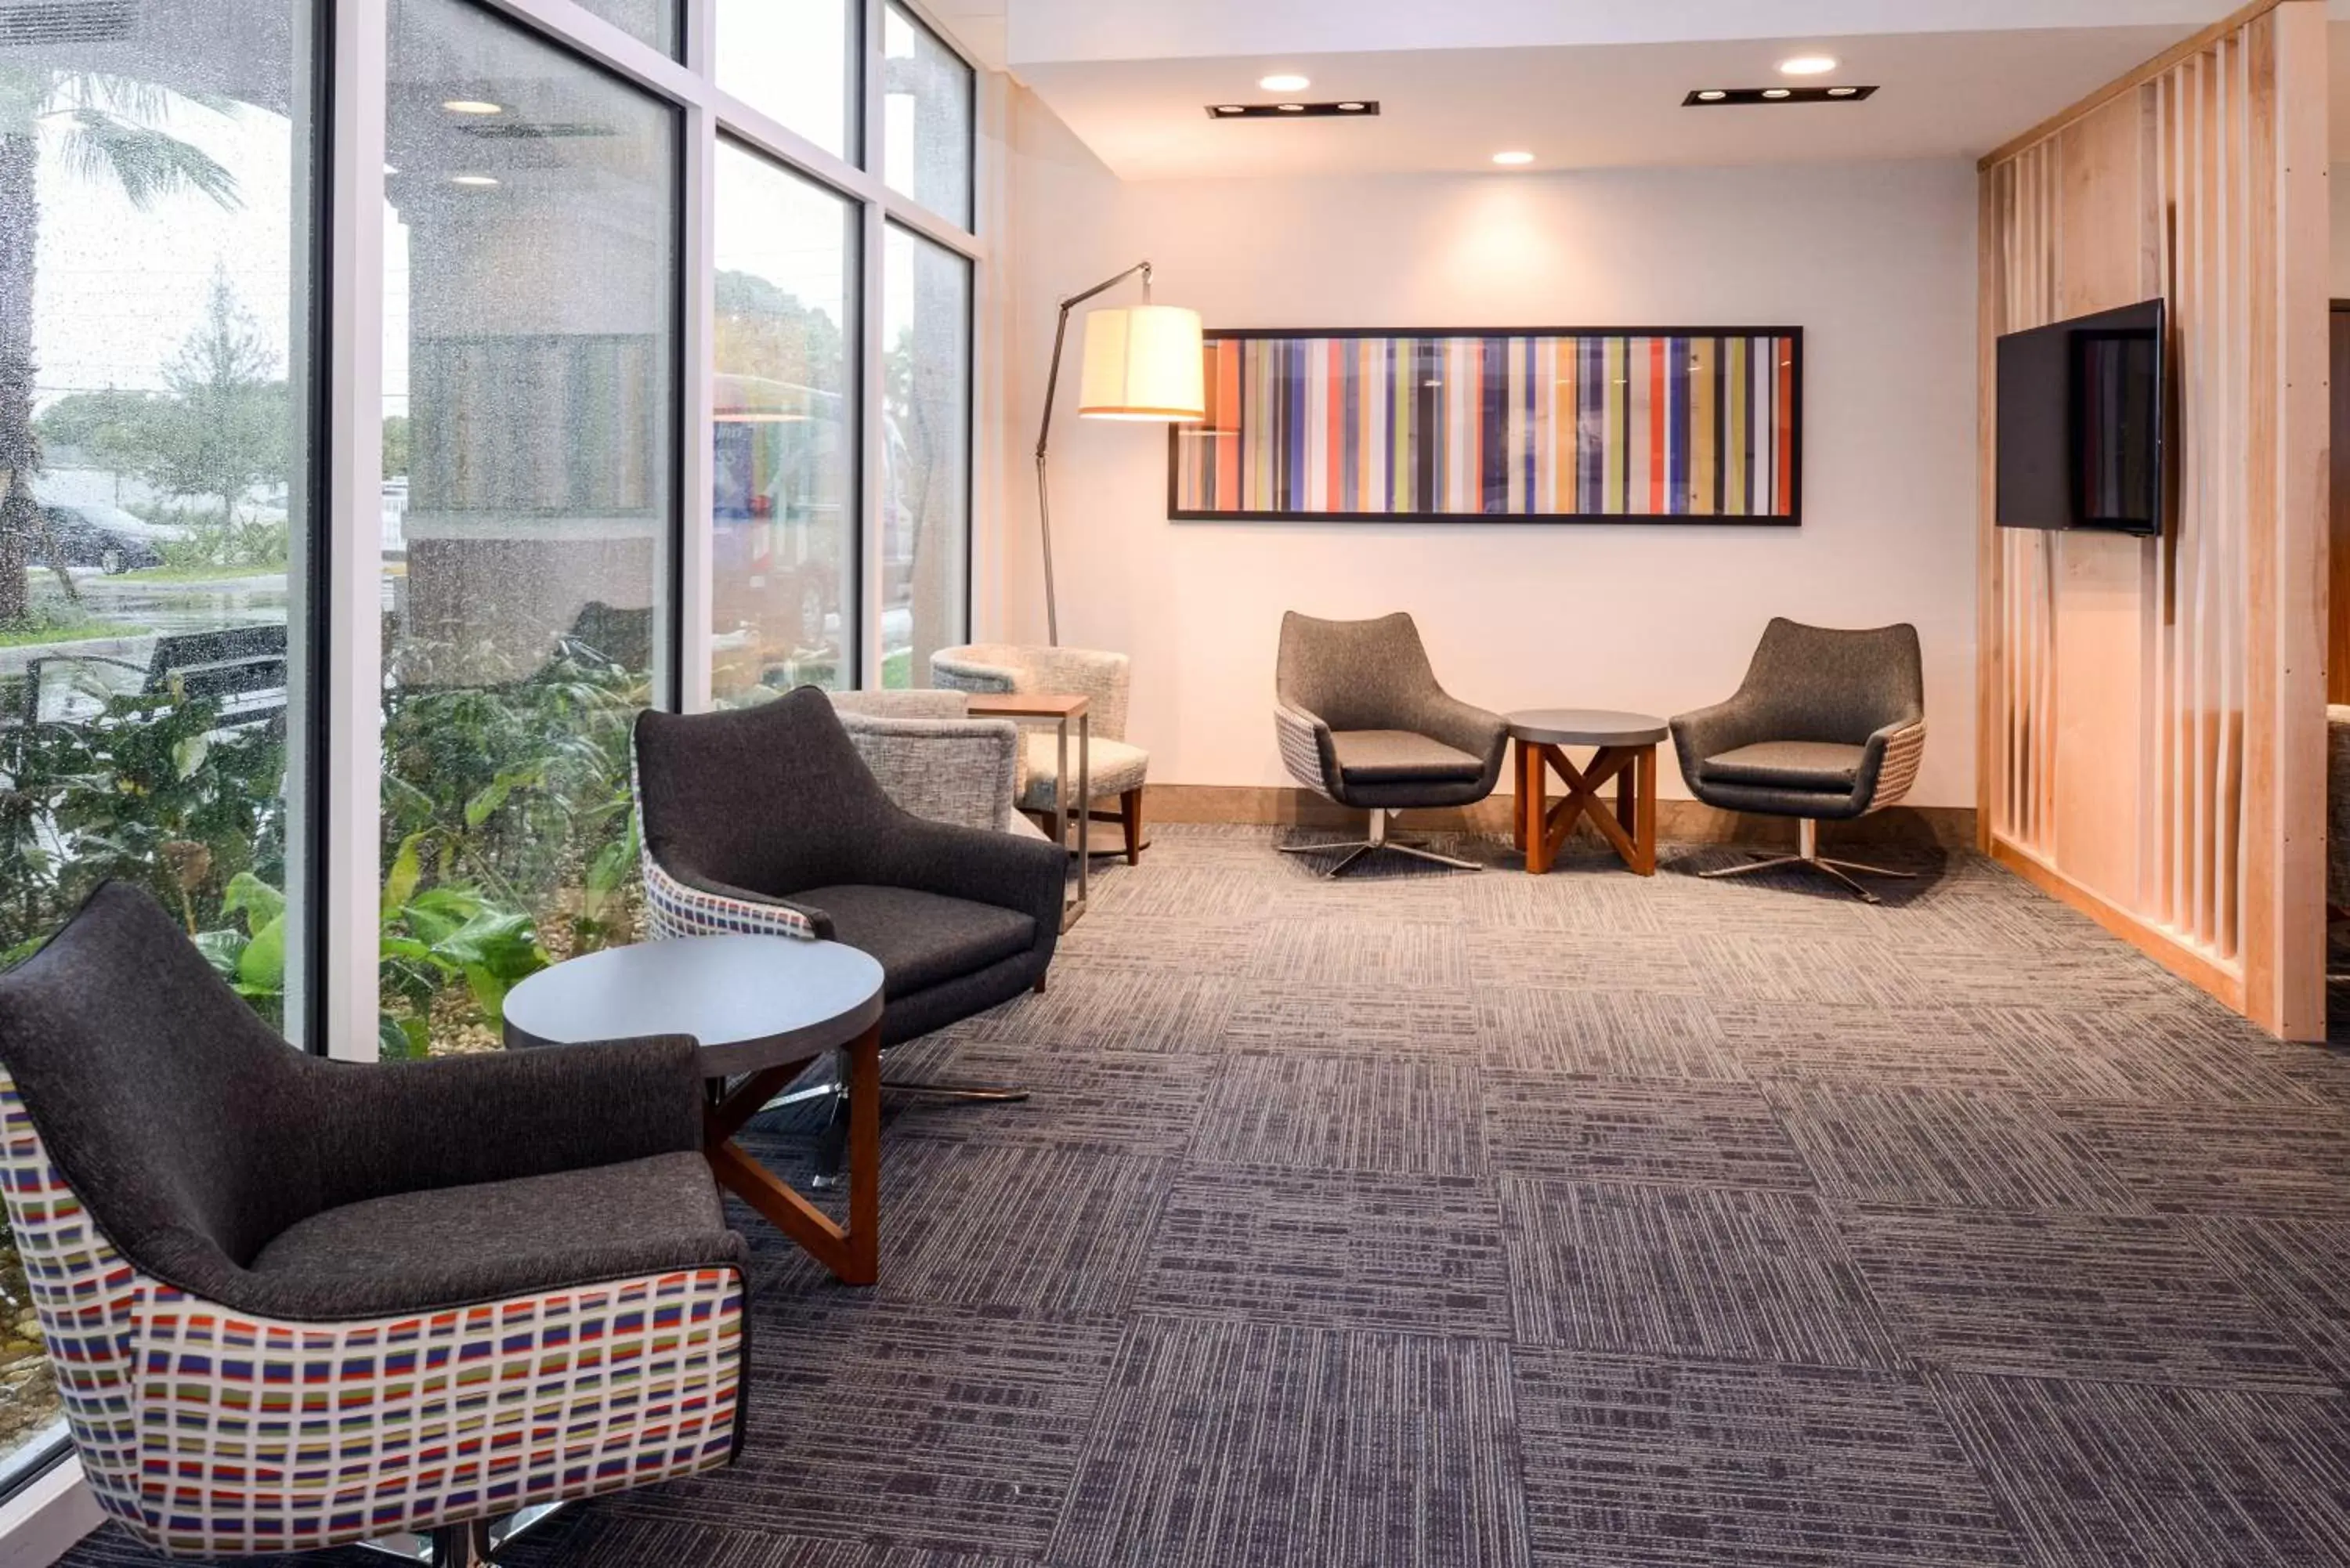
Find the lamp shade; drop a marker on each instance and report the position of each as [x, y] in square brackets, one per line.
[1144, 363]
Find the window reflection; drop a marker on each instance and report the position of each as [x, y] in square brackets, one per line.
[926, 500]
[927, 113]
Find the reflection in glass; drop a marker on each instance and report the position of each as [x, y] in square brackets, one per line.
[157, 233]
[784, 543]
[927, 126]
[530, 418]
[654, 21]
[926, 502]
[797, 62]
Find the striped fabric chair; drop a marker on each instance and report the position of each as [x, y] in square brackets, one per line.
[292, 1303]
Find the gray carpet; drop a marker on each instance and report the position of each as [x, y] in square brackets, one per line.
[1429, 1220]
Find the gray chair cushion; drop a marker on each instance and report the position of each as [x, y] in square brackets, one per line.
[1337, 677]
[1400, 756]
[1789, 764]
[518, 1233]
[922, 938]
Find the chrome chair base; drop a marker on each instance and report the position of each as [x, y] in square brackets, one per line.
[1355, 851]
[1807, 853]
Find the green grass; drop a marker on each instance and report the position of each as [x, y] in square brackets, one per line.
[37, 636]
[898, 670]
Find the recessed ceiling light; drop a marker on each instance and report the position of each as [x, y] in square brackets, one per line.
[1286, 82]
[474, 180]
[1352, 108]
[1807, 65]
[1775, 92]
[1512, 160]
[473, 105]
[1230, 109]
[1293, 109]
[1842, 92]
[1713, 94]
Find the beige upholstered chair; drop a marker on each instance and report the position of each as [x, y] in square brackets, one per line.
[1118, 769]
[935, 760]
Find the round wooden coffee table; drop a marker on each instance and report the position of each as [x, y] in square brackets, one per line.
[1625, 747]
[762, 1009]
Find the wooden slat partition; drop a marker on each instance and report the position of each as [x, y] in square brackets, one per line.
[2153, 711]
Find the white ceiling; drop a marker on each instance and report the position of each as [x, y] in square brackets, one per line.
[1948, 94]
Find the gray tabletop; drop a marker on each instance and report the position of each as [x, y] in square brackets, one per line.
[752, 1002]
[1587, 727]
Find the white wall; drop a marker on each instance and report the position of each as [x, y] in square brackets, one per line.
[1875, 262]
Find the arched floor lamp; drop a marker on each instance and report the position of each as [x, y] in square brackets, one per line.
[1144, 363]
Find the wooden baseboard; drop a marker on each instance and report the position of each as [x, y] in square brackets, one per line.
[2152, 941]
[1678, 821]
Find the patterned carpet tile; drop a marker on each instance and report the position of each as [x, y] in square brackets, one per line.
[1425, 1022]
[606, 1540]
[1581, 960]
[2070, 1295]
[2299, 1269]
[1370, 953]
[1615, 1034]
[1770, 965]
[1343, 1112]
[2096, 972]
[1088, 1007]
[1261, 1446]
[2162, 1056]
[1339, 1250]
[995, 1228]
[1588, 892]
[2281, 1161]
[917, 1427]
[1167, 943]
[1788, 901]
[1110, 1101]
[1636, 1129]
[2113, 1475]
[1715, 1465]
[1928, 1147]
[1917, 1044]
[1684, 1271]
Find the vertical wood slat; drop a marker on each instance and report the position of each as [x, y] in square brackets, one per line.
[2230, 137]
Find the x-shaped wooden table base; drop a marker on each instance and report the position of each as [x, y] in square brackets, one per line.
[1630, 827]
[852, 1252]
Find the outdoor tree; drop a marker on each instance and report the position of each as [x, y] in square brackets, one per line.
[105, 129]
[226, 428]
[766, 332]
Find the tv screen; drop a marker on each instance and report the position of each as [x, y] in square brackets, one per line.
[2080, 422]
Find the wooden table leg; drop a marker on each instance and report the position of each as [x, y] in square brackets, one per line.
[1539, 845]
[853, 1253]
[1523, 803]
[1644, 833]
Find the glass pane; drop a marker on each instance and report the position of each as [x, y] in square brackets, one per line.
[784, 545]
[927, 125]
[926, 508]
[157, 242]
[654, 21]
[797, 61]
[530, 425]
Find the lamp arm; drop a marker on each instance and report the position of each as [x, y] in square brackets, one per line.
[1044, 433]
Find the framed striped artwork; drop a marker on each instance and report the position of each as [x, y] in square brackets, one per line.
[1699, 425]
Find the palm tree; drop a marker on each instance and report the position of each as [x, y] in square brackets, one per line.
[105, 129]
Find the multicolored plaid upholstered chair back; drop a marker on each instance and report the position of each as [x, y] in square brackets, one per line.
[292, 1303]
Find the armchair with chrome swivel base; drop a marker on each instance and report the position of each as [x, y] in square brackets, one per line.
[1361, 720]
[294, 1303]
[1828, 726]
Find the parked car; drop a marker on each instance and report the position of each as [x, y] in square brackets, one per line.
[106, 537]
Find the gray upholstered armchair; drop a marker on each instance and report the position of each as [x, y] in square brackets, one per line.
[937, 761]
[1361, 720]
[1827, 726]
[294, 1303]
[1118, 770]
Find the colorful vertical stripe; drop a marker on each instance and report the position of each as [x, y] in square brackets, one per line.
[1695, 425]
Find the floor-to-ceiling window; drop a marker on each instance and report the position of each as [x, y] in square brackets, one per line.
[158, 350]
[531, 338]
[926, 528]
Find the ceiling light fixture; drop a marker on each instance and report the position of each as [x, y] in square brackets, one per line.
[1842, 92]
[1713, 94]
[1746, 97]
[473, 105]
[1285, 82]
[1352, 108]
[1512, 159]
[473, 181]
[1809, 66]
[1775, 92]
[1292, 108]
[1230, 109]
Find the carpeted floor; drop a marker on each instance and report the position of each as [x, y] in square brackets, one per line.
[1429, 1220]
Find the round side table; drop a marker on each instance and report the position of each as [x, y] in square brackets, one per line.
[1626, 754]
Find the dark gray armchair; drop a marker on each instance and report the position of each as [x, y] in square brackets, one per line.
[1827, 726]
[1362, 720]
[266, 1281]
[766, 819]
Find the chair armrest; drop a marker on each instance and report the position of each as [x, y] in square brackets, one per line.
[1890, 763]
[1464, 727]
[1708, 733]
[962, 772]
[1307, 749]
[1006, 870]
[462, 1120]
[677, 907]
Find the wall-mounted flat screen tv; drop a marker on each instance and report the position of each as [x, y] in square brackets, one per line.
[2081, 423]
